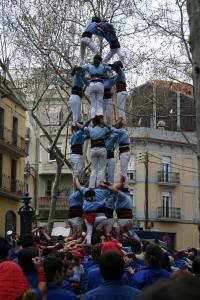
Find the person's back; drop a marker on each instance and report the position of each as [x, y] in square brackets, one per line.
[111, 268]
[153, 272]
[54, 269]
[187, 288]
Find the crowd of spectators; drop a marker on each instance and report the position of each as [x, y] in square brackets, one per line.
[37, 266]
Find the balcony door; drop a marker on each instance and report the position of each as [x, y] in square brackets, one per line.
[1, 122]
[13, 175]
[166, 204]
[166, 168]
[15, 131]
[131, 169]
[1, 169]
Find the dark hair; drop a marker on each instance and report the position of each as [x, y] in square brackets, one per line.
[96, 19]
[97, 60]
[196, 266]
[52, 265]
[4, 247]
[111, 266]
[133, 243]
[187, 288]
[153, 254]
[68, 255]
[145, 243]
[27, 240]
[118, 65]
[96, 120]
[165, 262]
[90, 193]
[96, 238]
[25, 258]
[58, 254]
[96, 251]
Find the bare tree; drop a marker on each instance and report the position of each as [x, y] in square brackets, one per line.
[40, 39]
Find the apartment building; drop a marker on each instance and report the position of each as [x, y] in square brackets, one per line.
[163, 167]
[12, 154]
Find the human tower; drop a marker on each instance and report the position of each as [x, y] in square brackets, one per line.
[94, 205]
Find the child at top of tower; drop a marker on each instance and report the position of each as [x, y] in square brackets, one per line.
[86, 38]
[107, 31]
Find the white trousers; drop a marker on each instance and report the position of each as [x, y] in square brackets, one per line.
[75, 104]
[89, 227]
[87, 42]
[76, 224]
[111, 170]
[107, 110]
[124, 160]
[112, 53]
[107, 224]
[96, 90]
[121, 101]
[98, 165]
[78, 165]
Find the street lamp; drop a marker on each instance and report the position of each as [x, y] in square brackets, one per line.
[26, 213]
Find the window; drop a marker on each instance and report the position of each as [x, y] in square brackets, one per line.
[131, 169]
[166, 168]
[48, 187]
[52, 156]
[166, 204]
[1, 122]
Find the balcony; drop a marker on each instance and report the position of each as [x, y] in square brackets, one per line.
[11, 188]
[12, 142]
[44, 202]
[168, 178]
[168, 213]
[131, 176]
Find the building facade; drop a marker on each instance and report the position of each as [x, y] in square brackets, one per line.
[163, 167]
[12, 154]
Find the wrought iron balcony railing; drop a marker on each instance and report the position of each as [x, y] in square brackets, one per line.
[168, 213]
[9, 185]
[9, 137]
[168, 177]
[44, 202]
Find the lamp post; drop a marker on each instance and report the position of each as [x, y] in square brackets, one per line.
[26, 213]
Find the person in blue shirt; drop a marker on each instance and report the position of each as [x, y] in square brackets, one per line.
[122, 93]
[109, 205]
[96, 70]
[124, 149]
[112, 288]
[123, 208]
[111, 143]
[107, 31]
[75, 212]
[93, 264]
[152, 272]
[78, 83]
[76, 156]
[98, 133]
[55, 273]
[86, 38]
[107, 99]
[95, 201]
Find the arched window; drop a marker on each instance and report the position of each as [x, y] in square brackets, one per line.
[10, 221]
